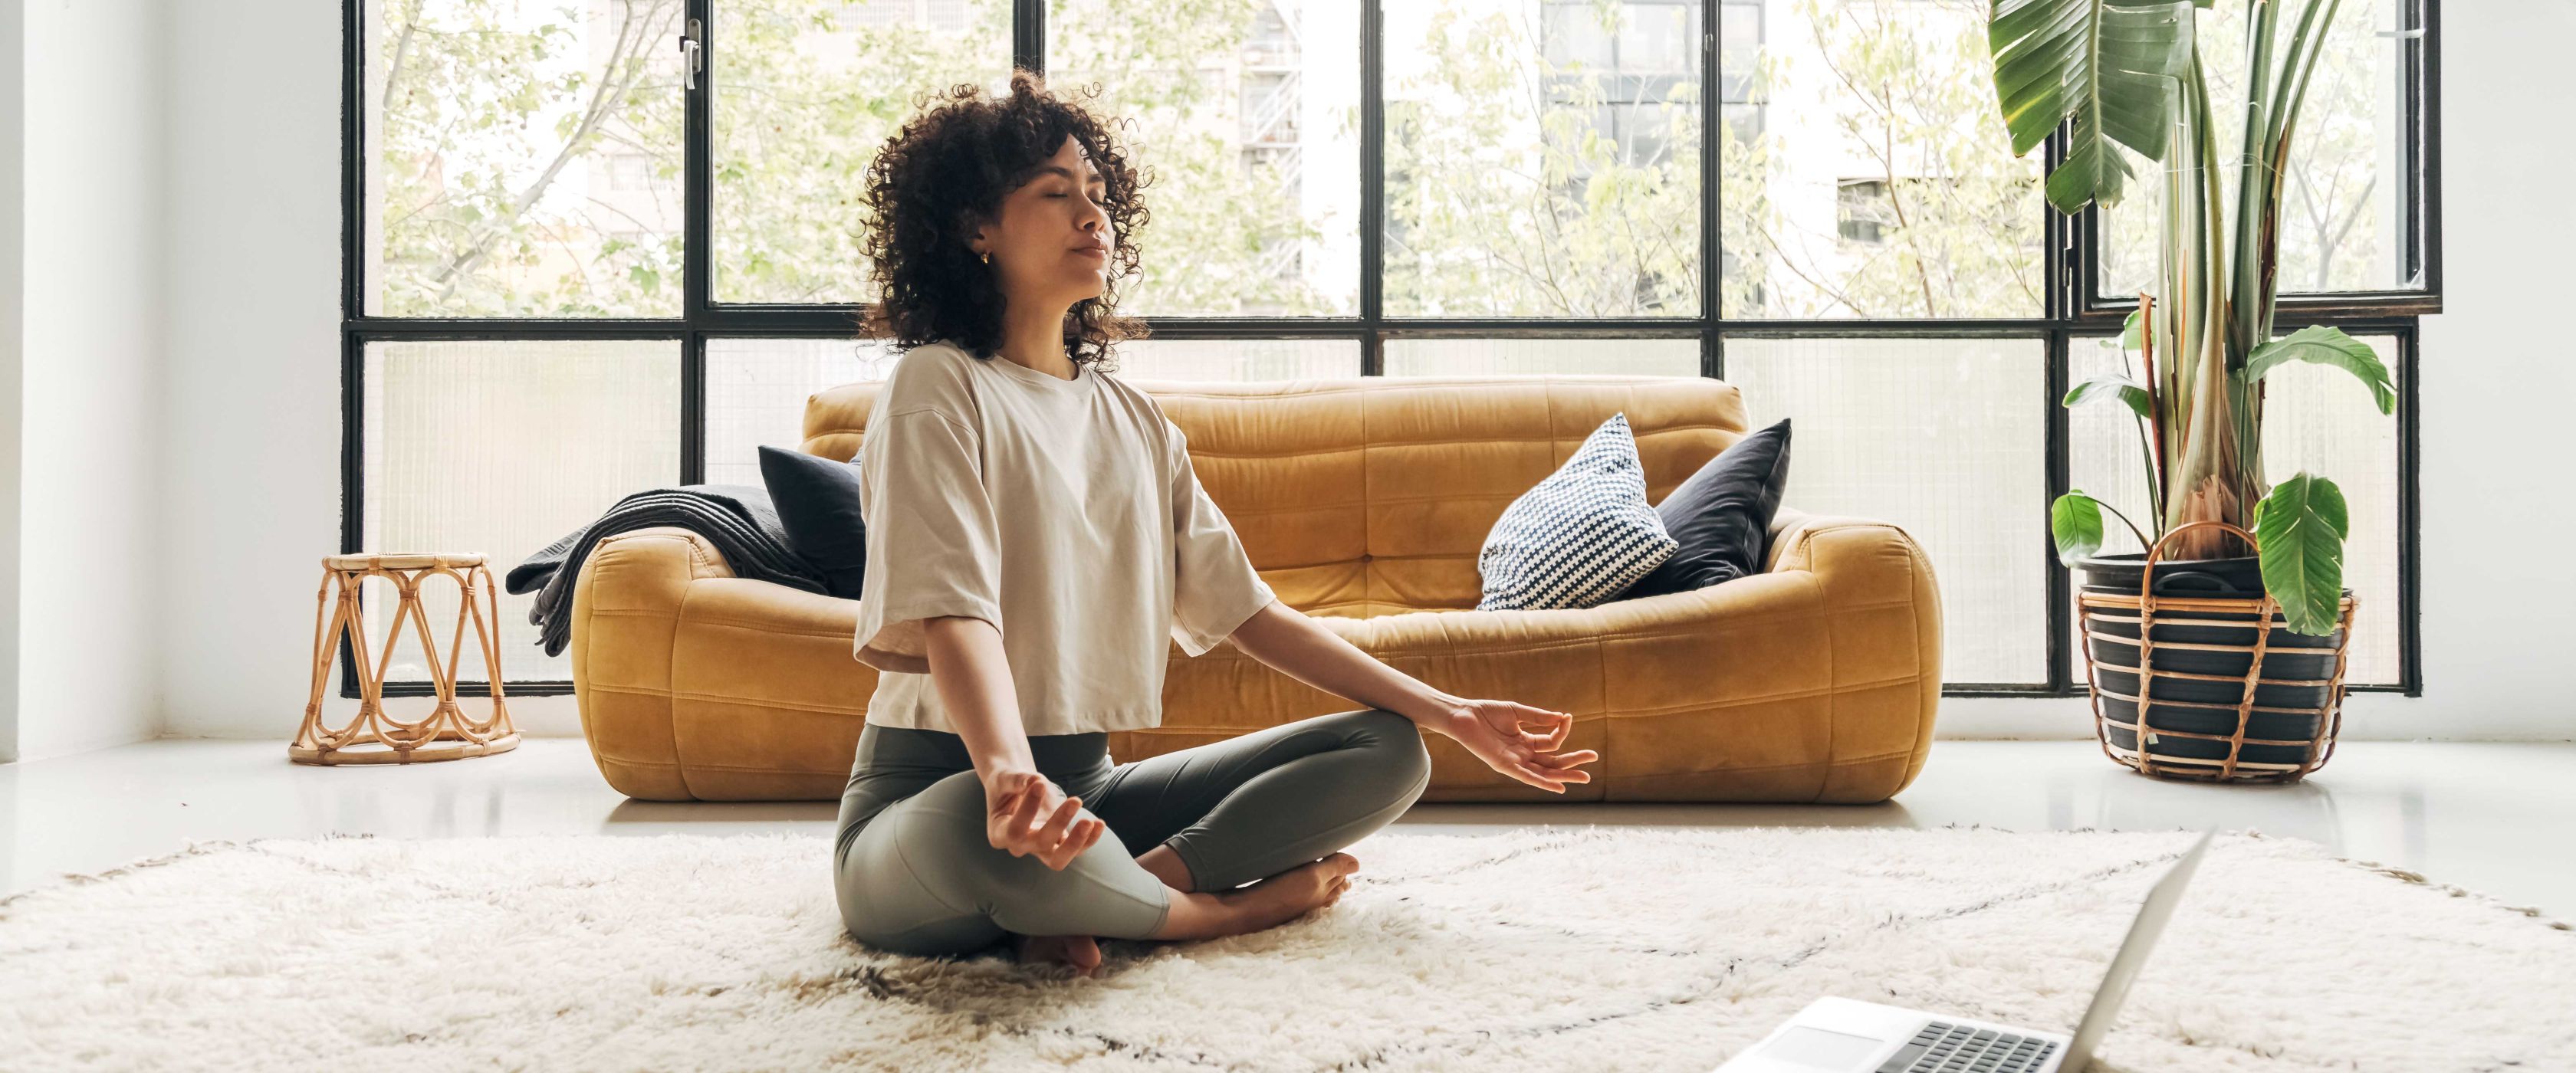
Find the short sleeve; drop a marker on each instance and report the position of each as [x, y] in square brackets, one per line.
[933, 540]
[1214, 586]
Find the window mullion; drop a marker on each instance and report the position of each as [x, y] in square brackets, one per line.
[697, 228]
[1028, 34]
[1372, 185]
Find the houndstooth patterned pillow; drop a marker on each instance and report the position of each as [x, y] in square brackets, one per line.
[1581, 536]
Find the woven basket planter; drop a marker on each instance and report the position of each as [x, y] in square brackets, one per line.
[2226, 702]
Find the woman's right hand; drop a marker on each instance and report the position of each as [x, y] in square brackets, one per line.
[1025, 813]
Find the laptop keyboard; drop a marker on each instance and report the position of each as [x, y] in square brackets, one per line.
[1943, 1047]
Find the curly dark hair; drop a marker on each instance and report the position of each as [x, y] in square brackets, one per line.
[952, 164]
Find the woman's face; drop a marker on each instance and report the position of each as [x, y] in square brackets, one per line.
[1052, 240]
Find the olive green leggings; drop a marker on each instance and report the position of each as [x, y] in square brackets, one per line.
[915, 872]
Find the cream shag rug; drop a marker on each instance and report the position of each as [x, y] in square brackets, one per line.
[1552, 948]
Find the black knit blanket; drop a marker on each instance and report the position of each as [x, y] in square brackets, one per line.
[738, 519]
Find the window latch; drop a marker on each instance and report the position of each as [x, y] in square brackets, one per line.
[693, 46]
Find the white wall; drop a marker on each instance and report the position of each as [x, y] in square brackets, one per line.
[91, 552]
[253, 391]
[252, 432]
[13, 328]
[2497, 383]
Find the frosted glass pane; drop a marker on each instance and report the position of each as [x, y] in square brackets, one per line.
[806, 92]
[1247, 112]
[1472, 357]
[502, 448]
[1237, 359]
[1943, 437]
[1542, 159]
[2314, 418]
[757, 390]
[1867, 172]
[523, 158]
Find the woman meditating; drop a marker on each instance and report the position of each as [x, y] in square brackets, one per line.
[1035, 534]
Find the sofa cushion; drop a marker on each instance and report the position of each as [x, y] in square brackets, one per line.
[1721, 515]
[1582, 535]
[818, 505]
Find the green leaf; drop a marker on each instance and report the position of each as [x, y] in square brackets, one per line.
[2075, 522]
[2112, 385]
[2301, 526]
[2326, 346]
[2129, 337]
[2109, 65]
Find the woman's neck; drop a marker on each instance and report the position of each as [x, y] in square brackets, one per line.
[1036, 340]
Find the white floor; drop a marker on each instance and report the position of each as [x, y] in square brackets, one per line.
[2495, 818]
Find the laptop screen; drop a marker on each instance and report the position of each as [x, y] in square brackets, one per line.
[2159, 907]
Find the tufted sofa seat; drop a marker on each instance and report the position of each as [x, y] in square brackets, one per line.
[1363, 501]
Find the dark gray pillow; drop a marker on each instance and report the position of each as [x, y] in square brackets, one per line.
[1722, 516]
[818, 505]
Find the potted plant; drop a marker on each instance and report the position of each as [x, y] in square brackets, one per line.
[2224, 545]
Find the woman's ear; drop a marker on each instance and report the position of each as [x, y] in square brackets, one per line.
[970, 232]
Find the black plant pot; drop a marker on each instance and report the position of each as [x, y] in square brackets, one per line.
[2287, 655]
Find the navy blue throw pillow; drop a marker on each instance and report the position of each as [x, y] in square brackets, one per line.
[818, 505]
[1722, 516]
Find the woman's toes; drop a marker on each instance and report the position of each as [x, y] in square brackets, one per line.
[1082, 952]
[1078, 952]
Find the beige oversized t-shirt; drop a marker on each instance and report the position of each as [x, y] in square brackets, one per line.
[1066, 513]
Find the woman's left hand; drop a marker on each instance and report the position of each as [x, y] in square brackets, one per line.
[1498, 732]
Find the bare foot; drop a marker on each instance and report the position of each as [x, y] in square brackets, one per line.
[1291, 894]
[1078, 952]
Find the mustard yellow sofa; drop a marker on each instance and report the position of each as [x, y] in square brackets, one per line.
[1362, 501]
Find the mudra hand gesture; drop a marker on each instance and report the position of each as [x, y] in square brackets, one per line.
[1500, 732]
[1025, 813]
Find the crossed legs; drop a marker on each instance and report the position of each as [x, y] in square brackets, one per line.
[1277, 803]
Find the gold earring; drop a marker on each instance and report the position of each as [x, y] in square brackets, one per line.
[988, 257]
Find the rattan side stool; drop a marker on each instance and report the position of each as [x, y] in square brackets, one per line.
[403, 742]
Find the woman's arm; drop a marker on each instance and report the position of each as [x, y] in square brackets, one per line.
[1497, 732]
[1289, 641]
[973, 677]
[1024, 811]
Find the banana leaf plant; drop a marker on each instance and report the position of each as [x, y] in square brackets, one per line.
[2127, 75]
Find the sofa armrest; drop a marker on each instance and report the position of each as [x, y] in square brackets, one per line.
[1883, 603]
[626, 610]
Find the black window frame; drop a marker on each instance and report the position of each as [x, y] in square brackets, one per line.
[2071, 311]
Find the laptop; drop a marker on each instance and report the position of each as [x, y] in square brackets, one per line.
[1839, 1035]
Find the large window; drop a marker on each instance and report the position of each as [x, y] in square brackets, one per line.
[598, 246]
